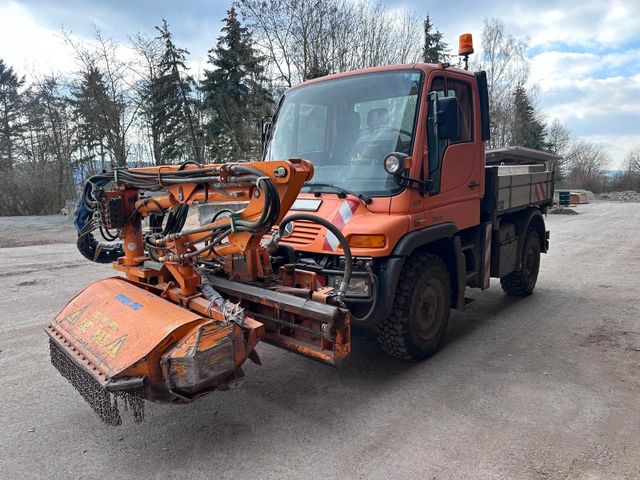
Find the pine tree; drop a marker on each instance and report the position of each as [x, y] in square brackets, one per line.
[174, 129]
[9, 115]
[235, 97]
[97, 116]
[527, 129]
[435, 49]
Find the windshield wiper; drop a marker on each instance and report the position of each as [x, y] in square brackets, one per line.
[341, 192]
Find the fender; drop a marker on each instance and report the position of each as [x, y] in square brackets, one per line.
[388, 276]
[418, 238]
[390, 270]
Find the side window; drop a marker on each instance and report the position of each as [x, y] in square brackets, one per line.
[462, 91]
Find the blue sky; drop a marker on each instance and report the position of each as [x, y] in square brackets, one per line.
[585, 54]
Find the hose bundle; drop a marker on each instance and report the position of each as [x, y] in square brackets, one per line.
[86, 221]
[88, 217]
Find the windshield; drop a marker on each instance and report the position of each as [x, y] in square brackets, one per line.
[346, 127]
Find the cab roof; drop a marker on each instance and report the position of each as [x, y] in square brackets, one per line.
[426, 68]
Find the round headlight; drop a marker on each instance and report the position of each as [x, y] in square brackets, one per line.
[392, 163]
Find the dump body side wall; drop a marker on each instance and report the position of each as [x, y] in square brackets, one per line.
[512, 188]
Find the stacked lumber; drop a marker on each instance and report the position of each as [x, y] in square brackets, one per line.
[577, 198]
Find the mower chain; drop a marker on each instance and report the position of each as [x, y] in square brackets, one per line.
[104, 403]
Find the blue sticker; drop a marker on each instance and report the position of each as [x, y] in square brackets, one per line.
[123, 299]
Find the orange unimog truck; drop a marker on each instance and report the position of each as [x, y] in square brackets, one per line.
[375, 205]
[400, 167]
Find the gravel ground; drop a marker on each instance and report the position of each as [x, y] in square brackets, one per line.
[545, 387]
[49, 229]
[46, 230]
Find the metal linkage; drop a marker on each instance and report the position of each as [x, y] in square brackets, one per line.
[296, 326]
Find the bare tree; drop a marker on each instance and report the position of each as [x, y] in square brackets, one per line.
[559, 140]
[632, 161]
[587, 163]
[302, 39]
[105, 93]
[629, 178]
[504, 58]
[44, 174]
[147, 66]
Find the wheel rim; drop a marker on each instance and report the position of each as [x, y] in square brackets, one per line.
[429, 310]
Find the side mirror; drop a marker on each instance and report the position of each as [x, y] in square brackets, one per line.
[447, 118]
[265, 130]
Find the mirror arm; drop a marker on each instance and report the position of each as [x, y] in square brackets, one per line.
[265, 132]
[422, 186]
[436, 122]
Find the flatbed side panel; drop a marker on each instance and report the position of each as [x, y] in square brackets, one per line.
[518, 190]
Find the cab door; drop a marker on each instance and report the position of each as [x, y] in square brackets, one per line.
[455, 166]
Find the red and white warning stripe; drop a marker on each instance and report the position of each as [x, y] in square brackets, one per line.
[540, 191]
[487, 256]
[341, 218]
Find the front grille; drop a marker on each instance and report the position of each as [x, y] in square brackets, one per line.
[304, 232]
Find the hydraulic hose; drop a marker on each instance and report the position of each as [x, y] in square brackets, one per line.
[87, 245]
[87, 221]
[346, 277]
[374, 301]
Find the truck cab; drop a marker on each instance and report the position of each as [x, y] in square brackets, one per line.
[400, 168]
[347, 124]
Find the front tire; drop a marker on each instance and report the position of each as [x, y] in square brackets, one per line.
[522, 282]
[415, 328]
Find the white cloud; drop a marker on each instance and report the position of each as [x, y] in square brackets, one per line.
[33, 49]
[577, 22]
[556, 69]
[595, 94]
[30, 47]
[600, 97]
[617, 146]
[548, 69]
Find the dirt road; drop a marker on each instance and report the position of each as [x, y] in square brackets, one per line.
[546, 387]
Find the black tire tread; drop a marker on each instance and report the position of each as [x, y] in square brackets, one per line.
[514, 283]
[393, 331]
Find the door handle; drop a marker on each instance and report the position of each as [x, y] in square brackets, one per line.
[473, 185]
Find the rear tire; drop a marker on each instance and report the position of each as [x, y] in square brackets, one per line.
[415, 328]
[522, 282]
